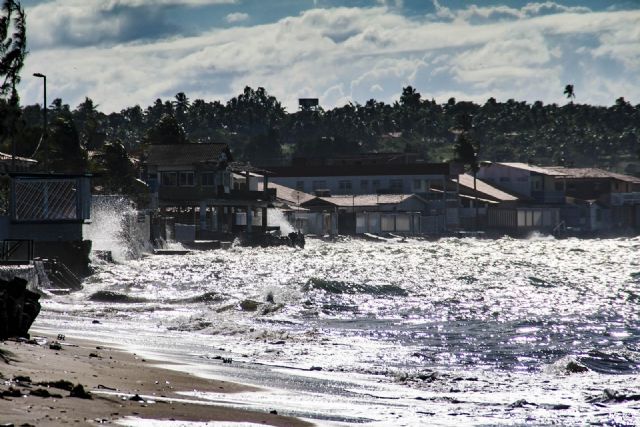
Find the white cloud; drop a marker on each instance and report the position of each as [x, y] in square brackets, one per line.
[396, 3]
[84, 23]
[345, 54]
[233, 18]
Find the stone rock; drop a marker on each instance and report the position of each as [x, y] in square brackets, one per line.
[249, 305]
[19, 308]
[79, 392]
[574, 367]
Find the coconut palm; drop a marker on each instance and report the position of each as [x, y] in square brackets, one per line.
[13, 47]
[569, 93]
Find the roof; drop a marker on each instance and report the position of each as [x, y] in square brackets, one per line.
[4, 157]
[186, 154]
[466, 180]
[464, 196]
[246, 167]
[593, 173]
[362, 170]
[288, 194]
[367, 200]
[532, 168]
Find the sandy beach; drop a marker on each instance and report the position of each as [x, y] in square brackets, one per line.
[35, 381]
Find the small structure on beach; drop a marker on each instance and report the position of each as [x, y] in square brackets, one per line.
[46, 212]
[374, 213]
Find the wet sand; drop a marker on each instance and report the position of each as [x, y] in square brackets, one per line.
[111, 377]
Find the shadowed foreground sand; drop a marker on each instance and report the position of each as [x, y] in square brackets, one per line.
[102, 369]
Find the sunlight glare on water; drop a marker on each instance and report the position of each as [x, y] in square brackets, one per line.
[490, 331]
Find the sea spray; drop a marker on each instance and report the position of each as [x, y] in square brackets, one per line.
[276, 218]
[115, 228]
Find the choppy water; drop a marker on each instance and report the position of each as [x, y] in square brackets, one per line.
[456, 331]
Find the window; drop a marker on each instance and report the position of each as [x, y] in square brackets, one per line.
[300, 185]
[417, 185]
[169, 179]
[344, 186]
[186, 179]
[319, 185]
[396, 185]
[208, 179]
[364, 185]
[558, 186]
[375, 184]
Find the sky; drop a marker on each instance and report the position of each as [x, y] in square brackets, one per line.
[121, 53]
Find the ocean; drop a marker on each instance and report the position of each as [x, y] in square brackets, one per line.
[457, 331]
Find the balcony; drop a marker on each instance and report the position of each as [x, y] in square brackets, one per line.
[197, 193]
[625, 199]
[553, 197]
[183, 194]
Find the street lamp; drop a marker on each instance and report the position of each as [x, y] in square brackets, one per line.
[44, 115]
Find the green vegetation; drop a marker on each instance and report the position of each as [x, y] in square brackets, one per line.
[259, 130]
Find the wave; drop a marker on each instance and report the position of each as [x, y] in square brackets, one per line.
[117, 297]
[603, 362]
[202, 298]
[340, 287]
[610, 362]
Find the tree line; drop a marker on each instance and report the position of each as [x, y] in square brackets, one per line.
[261, 131]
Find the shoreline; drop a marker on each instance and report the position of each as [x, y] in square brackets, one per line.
[122, 386]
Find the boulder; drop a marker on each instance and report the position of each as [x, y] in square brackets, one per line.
[19, 308]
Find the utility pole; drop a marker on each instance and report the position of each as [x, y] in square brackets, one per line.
[44, 119]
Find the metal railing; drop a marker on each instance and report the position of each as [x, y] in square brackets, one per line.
[16, 251]
[620, 199]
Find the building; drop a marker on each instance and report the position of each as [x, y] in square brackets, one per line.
[583, 200]
[537, 184]
[501, 210]
[600, 200]
[378, 174]
[201, 187]
[375, 213]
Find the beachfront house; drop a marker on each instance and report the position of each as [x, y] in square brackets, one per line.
[556, 198]
[600, 200]
[205, 191]
[532, 198]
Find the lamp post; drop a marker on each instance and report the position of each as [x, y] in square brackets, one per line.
[44, 115]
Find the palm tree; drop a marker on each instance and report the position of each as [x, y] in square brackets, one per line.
[13, 49]
[13, 46]
[568, 91]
